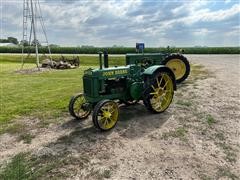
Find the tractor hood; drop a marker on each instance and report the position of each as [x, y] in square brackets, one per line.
[111, 72]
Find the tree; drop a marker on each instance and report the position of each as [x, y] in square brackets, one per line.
[53, 45]
[34, 42]
[12, 40]
[24, 42]
[4, 41]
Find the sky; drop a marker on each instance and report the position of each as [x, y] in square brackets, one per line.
[124, 22]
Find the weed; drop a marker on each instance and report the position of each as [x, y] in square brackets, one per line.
[179, 94]
[26, 138]
[198, 72]
[15, 128]
[204, 177]
[106, 173]
[184, 103]
[225, 172]
[231, 156]
[23, 166]
[220, 136]
[178, 133]
[99, 174]
[210, 120]
[17, 169]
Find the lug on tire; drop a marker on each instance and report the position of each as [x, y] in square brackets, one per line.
[78, 107]
[159, 92]
[105, 115]
[179, 65]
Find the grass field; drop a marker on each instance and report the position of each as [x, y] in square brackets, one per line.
[40, 95]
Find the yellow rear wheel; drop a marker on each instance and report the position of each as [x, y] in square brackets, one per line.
[159, 93]
[179, 66]
[105, 115]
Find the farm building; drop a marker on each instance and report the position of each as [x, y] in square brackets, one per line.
[8, 45]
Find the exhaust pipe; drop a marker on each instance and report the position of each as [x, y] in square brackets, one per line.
[100, 59]
[105, 57]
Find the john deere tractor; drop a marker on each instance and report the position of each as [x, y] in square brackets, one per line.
[148, 77]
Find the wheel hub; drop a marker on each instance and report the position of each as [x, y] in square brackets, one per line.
[107, 114]
[178, 67]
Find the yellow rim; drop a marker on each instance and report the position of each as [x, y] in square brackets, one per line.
[162, 93]
[78, 107]
[108, 115]
[178, 67]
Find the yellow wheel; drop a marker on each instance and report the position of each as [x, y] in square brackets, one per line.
[78, 107]
[105, 115]
[159, 92]
[179, 65]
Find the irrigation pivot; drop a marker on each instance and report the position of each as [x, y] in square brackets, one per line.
[32, 17]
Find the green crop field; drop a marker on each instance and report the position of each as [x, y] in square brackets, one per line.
[124, 50]
[40, 95]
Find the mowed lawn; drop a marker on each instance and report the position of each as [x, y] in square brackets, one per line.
[43, 95]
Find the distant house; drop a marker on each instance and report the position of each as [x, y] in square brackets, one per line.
[8, 45]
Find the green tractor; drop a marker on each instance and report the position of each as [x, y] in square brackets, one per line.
[148, 77]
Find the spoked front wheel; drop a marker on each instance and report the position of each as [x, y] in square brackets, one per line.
[78, 107]
[105, 115]
[159, 92]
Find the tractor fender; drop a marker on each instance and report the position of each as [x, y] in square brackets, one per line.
[152, 70]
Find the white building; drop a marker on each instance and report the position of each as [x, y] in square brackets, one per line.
[8, 45]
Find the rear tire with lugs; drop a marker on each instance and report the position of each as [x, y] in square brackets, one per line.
[179, 65]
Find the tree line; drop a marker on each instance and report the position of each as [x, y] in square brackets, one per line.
[10, 40]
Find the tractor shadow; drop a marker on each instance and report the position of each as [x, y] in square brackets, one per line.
[134, 122]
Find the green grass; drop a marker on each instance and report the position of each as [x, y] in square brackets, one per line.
[210, 120]
[107, 173]
[40, 95]
[24, 167]
[17, 169]
[230, 153]
[226, 172]
[184, 103]
[177, 133]
[26, 138]
[84, 60]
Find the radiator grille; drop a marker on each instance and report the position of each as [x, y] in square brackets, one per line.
[87, 84]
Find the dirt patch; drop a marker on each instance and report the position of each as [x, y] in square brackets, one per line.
[33, 70]
[197, 137]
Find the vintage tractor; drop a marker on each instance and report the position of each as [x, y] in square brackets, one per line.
[143, 78]
[176, 62]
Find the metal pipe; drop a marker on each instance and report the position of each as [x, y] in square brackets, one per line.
[100, 59]
[105, 58]
[35, 34]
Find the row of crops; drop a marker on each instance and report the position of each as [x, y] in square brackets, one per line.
[124, 50]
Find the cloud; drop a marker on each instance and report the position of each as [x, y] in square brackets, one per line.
[157, 23]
